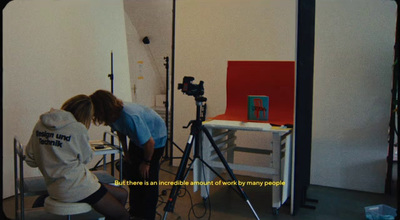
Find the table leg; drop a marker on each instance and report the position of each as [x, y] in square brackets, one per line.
[104, 162]
[276, 164]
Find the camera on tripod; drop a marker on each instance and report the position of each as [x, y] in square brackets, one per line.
[196, 129]
[191, 89]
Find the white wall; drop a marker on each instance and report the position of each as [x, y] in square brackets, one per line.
[151, 18]
[146, 83]
[53, 50]
[209, 33]
[353, 58]
[353, 70]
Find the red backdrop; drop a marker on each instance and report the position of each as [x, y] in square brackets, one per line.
[271, 78]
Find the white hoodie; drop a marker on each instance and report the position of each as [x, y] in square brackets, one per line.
[59, 147]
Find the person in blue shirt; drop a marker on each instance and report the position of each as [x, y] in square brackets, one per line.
[147, 135]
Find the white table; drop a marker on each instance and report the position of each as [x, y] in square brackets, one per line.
[223, 133]
[106, 147]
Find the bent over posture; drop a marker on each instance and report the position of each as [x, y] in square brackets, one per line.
[59, 147]
[147, 137]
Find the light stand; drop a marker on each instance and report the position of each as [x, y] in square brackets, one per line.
[111, 76]
[196, 127]
[168, 154]
[166, 64]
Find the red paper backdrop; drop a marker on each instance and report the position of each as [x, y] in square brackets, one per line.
[271, 78]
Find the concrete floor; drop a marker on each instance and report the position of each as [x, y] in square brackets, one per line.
[225, 203]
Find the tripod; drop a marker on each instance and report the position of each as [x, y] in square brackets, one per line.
[196, 127]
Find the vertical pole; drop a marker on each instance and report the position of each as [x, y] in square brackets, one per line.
[304, 98]
[15, 179]
[172, 80]
[21, 180]
[393, 106]
[167, 106]
[112, 137]
[112, 72]
[3, 215]
[396, 69]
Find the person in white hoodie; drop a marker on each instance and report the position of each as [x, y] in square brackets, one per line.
[59, 147]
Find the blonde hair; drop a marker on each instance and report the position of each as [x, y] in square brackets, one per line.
[81, 107]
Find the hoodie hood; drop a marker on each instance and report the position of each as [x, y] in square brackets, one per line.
[56, 119]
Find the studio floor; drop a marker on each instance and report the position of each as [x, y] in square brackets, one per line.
[225, 203]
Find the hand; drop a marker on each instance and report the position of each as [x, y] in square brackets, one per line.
[144, 170]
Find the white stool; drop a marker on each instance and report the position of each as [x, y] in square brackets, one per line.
[65, 208]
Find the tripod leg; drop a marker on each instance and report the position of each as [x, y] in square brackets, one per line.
[228, 169]
[217, 174]
[169, 207]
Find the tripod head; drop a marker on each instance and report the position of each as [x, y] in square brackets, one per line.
[197, 91]
[191, 89]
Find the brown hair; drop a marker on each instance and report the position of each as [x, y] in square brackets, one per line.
[107, 107]
[81, 107]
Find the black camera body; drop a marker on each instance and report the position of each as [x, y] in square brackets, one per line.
[191, 89]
